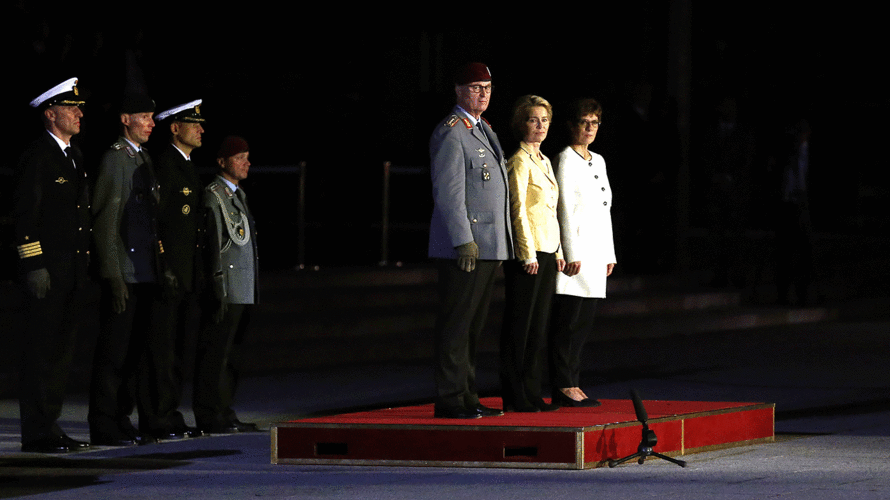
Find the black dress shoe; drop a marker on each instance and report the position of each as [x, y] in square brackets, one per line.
[112, 437]
[191, 432]
[126, 428]
[244, 426]
[74, 444]
[163, 434]
[562, 399]
[101, 440]
[55, 444]
[522, 408]
[589, 403]
[219, 428]
[542, 406]
[456, 412]
[488, 412]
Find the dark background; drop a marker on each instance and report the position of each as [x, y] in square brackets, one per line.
[346, 90]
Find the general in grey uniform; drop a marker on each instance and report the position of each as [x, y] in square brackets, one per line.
[469, 238]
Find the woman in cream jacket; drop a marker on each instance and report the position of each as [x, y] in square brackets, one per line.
[530, 278]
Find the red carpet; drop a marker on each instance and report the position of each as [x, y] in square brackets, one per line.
[571, 438]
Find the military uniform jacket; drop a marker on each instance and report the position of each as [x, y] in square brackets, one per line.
[231, 244]
[181, 220]
[125, 210]
[52, 211]
[470, 192]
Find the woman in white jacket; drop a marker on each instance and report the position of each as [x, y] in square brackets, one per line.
[585, 220]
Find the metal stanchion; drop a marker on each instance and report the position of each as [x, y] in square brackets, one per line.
[384, 221]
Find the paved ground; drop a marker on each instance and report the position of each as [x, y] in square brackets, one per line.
[830, 383]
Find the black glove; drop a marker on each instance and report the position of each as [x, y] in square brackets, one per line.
[171, 285]
[220, 311]
[119, 294]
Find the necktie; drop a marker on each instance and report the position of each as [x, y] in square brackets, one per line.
[242, 199]
[488, 140]
[481, 130]
[68, 155]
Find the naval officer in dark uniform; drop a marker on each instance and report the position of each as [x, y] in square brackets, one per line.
[232, 274]
[175, 310]
[52, 236]
[125, 209]
[470, 236]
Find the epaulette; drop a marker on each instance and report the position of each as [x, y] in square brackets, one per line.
[216, 188]
[117, 146]
[486, 121]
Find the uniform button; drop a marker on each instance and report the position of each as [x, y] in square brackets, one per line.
[231, 266]
[605, 203]
[474, 221]
[603, 189]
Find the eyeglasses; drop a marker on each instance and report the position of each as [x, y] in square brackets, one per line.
[478, 89]
[586, 123]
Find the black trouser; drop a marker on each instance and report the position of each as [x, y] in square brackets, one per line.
[174, 325]
[218, 365]
[49, 342]
[570, 326]
[524, 329]
[464, 298]
[118, 357]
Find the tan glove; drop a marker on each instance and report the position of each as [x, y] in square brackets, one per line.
[467, 255]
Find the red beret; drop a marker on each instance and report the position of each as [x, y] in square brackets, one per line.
[231, 146]
[472, 72]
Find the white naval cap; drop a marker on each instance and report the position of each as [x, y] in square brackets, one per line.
[63, 94]
[188, 112]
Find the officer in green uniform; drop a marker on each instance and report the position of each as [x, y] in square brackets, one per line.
[232, 274]
[125, 210]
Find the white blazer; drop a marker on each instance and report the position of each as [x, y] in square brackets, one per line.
[585, 221]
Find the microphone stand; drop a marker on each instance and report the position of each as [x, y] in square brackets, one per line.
[648, 441]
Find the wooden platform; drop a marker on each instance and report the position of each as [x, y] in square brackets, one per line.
[571, 438]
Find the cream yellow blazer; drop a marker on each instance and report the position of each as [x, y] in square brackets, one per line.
[534, 196]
